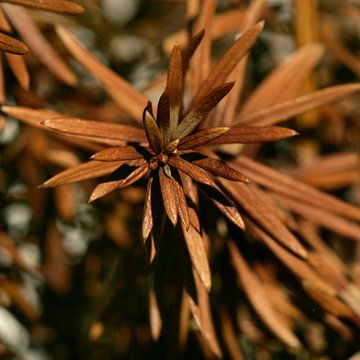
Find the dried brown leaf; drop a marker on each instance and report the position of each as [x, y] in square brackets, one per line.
[85, 171]
[201, 312]
[292, 188]
[38, 44]
[107, 187]
[174, 91]
[191, 170]
[117, 153]
[298, 266]
[128, 98]
[189, 51]
[101, 131]
[229, 60]
[229, 336]
[287, 109]
[201, 62]
[322, 217]
[60, 6]
[194, 219]
[7, 244]
[147, 220]
[168, 195]
[2, 81]
[201, 138]
[16, 294]
[219, 168]
[4, 24]
[247, 197]
[254, 134]
[181, 204]
[225, 205]
[259, 300]
[328, 302]
[285, 82]
[201, 109]
[154, 316]
[196, 247]
[152, 131]
[56, 267]
[11, 45]
[226, 111]
[19, 69]
[29, 116]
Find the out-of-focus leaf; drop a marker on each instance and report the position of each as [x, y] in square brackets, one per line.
[38, 44]
[129, 99]
[285, 81]
[282, 184]
[201, 312]
[322, 217]
[287, 109]
[259, 300]
[60, 6]
[248, 198]
[19, 69]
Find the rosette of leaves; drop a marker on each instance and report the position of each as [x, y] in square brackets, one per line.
[176, 151]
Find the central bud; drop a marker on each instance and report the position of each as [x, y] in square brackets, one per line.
[163, 158]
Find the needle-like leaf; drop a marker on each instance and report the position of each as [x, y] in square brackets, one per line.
[285, 110]
[11, 45]
[96, 129]
[253, 134]
[117, 153]
[152, 131]
[201, 109]
[201, 138]
[38, 45]
[107, 187]
[85, 171]
[225, 205]
[191, 170]
[259, 300]
[282, 184]
[181, 204]
[196, 247]
[222, 69]
[168, 195]
[248, 198]
[60, 6]
[128, 98]
[19, 69]
[174, 91]
[219, 168]
[147, 221]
